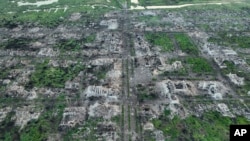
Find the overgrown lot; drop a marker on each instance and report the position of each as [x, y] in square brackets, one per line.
[160, 39]
[185, 44]
[232, 40]
[211, 126]
[47, 76]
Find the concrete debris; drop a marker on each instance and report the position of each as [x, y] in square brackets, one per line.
[107, 131]
[104, 110]
[147, 113]
[149, 61]
[15, 90]
[48, 52]
[142, 75]
[75, 17]
[224, 110]
[110, 42]
[213, 88]
[111, 23]
[142, 47]
[174, 66]
[217, 52]
[54, 137]
[6, 81]
[123, 68]
[148, 126]
[149, 13]
[177, 87]
[25, 114]
[99, 91]
[199, 109]
[239, 81]
[159, 135]
[102, 61]
[73, 116]
[63, 63]
[71, 85]
[229, 52]
[3, 112]
[115, 73]
[49, 92]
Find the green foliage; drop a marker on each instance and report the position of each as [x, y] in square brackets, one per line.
[122, 116]
[8, 21]
[74, 45]
[151, 20]
[167, 112]
[231, 68]
[68, 45]
[186, 45]
[51, 19]
[199, 65]
[180, 72]
[41, 18]
[129, 122]
[18, 43]
[148, 135]
[205, 128]
[46, 76]
[160, 39]
[4, 73]
[116, 119]
[48, 122]
[89, 126]
[90, 38]
[231, 40]
[8, 130]
[144, 94]
[101, 72]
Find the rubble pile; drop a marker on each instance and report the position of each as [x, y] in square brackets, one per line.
[73, 116]
[213, 88]
[25, 114]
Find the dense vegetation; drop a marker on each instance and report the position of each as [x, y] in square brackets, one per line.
[160, 39]
[68, 45]
[47, 76]
[35, 130]
[18, 44]
[45, 16]
[186, 45]
[8, 130]
[199, 65]
[231, 68]
[231, 40]
[144, 93]
[211, 126]
[72, 44]
[180, 72]
[87, 132]
[47, 123]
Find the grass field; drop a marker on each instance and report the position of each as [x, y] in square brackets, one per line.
[53, 14]
[211, 126]
[185, 44]
[160, 39]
